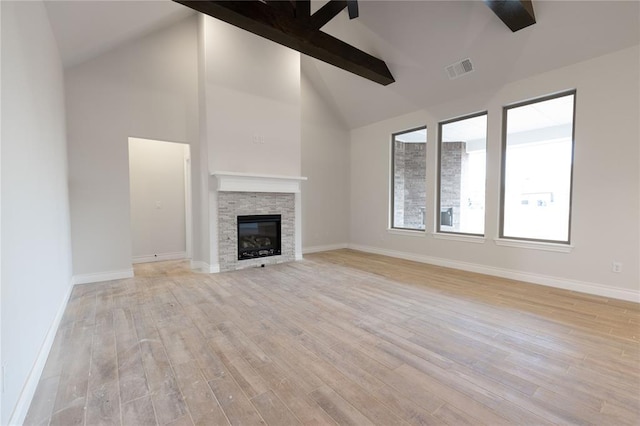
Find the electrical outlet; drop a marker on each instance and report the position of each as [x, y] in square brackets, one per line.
[616, 267]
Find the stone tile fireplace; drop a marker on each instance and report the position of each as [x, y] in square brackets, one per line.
[239, 194]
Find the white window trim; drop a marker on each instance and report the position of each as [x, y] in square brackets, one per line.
[534, 245]
[408, 232]
[477, 239]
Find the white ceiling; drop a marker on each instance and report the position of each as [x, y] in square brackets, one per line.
[551, 113]
[416, 39]
[474, 128]
[86, 28]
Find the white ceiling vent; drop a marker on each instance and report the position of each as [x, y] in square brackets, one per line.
[459, 69]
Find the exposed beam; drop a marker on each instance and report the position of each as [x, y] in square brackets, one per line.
[352, 7]
[285, 8]
[303, 9]
[327, 13]
[516, 14]
[265, 21]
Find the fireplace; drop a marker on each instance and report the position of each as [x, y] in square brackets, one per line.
[259, 236]
[242, 194]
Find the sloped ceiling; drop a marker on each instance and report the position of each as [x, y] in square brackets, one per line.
[417, 40]
[84, 28]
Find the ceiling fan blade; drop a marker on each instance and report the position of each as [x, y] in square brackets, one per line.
[352, 8]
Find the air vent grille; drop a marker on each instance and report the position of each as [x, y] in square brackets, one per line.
[459, 69]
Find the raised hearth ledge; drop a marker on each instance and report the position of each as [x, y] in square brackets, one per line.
[248, 182]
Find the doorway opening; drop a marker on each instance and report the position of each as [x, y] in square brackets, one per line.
[160, 200]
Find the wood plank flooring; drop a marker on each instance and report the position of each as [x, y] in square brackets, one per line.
[342, 337]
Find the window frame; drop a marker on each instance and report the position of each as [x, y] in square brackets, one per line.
[392, 185]
[439, 176]
[503, 166]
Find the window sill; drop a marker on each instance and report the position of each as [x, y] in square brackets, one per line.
[407, 232]
[534, 245]
[463, 238]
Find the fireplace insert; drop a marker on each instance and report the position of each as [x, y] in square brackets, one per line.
[258, 236]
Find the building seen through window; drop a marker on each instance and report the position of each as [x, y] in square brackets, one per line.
[463, 144]
[409, 167]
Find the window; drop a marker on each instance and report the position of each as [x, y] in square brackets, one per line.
[463, 149]
[409, 171]
[537, 166]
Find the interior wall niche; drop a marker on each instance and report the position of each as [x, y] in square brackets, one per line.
[159, 184]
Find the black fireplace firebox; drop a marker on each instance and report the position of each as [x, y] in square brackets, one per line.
[258, 236]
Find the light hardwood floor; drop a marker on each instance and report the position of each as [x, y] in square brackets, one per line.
[341, 337]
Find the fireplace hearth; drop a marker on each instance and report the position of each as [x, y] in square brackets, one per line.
[259, 236]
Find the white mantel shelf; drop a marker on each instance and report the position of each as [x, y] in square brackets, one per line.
[249, 182]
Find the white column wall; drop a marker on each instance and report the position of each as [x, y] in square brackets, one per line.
[251, 105]
[253, 102]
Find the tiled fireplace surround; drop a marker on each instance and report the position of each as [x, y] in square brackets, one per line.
[245, 194]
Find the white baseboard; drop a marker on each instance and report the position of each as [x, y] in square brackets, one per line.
[315, 249]
[159, 257]
[97, 277]
[563, 283]
[197, 265]
[28, 391]
[204, 267]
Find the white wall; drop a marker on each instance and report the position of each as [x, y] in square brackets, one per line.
[202, 216]
[252, 90]
[157, 190]
[606, 179]
[36, 251]
[145, 89]
[325, 161]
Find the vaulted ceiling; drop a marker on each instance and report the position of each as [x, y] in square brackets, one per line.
[85, 29]
[416, 39]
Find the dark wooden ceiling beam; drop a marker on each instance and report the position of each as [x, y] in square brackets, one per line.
[516, 14]
[285, 8]
[268, 22]
[303, 9]
[352, 7]
[327, 13]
